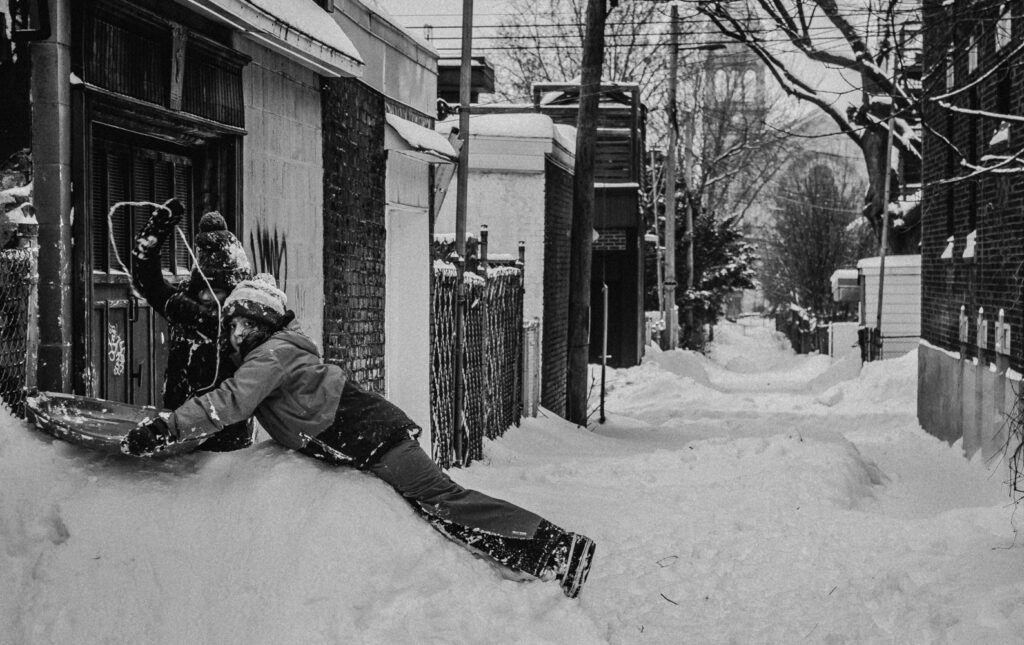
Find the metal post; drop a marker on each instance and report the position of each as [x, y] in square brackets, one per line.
[483, 249]
[604, 345]
[659, 259]
[465, 79]
[671, 333]
[51, 156]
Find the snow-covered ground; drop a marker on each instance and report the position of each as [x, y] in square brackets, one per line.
[751, 496]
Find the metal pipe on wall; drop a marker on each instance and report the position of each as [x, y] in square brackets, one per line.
[51, 181]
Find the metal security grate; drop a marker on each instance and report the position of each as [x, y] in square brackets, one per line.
[16, 273]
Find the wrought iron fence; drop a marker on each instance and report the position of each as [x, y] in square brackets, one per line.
[17, 271]
[492, 360]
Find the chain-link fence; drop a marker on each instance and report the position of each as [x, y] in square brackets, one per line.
[17, 269]
[492, 356]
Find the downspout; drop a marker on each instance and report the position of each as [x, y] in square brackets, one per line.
[51, 169]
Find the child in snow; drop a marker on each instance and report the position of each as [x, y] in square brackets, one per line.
[311, 407]
[198, 354]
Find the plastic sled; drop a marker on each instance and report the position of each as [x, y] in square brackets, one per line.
[97, 424]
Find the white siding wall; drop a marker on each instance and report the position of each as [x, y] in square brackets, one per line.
[283, 177]
[512, 207]
[901, 301]
[407, 289]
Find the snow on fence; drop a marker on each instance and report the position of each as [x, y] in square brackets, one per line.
[492, 359]
[17, 274]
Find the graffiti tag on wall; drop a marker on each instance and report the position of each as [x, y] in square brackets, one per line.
[270, 254]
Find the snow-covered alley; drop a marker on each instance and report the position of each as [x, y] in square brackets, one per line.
[751, 496]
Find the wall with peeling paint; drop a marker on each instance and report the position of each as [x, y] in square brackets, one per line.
[283, 180]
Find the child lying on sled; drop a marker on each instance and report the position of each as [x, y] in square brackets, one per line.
[311, 407]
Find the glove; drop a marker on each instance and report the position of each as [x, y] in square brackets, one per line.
[148, 438]
[160, 225]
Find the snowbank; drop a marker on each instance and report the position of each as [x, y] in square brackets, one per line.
[725, 509]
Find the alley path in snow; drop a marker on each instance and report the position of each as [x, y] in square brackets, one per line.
[758, 496]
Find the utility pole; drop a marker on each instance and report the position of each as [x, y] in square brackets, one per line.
[583, 214]
[885, 211]
[670, 339]
[460, 436]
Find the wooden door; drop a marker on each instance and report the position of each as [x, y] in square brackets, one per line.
[129, 340]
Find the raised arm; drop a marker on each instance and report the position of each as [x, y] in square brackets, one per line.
[147, 274]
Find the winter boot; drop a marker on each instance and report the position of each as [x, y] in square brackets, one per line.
[571, 562]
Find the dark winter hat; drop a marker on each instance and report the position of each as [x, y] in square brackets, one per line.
[221, 256]
[258, 299]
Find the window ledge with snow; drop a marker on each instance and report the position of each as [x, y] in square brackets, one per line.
[947, 253]
[969, 248]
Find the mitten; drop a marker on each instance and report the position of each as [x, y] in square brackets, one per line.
[160, 225]
[149, 437]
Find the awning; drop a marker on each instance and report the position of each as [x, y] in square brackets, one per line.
[407, 136]
[297, 29]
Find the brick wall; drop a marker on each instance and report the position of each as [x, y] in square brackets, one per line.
[354, 233]
[555, 339]
[989, 204]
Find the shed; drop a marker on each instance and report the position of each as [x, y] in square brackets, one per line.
[901, 301]
[521, 168]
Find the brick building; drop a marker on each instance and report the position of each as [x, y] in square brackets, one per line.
[618, 219]
[972, 242]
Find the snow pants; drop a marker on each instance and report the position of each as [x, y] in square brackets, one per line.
[510, 535]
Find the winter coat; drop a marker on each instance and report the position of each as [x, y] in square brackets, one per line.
[302, 403]
[196, 360]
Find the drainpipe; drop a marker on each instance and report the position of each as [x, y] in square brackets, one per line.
[51, 176]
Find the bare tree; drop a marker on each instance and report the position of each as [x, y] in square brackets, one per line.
[876, 46]
[813, 233]
[542, 42]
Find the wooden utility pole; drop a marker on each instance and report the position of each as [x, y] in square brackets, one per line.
[583, 214]
[671, 332]
[884, 242]
[461, 437]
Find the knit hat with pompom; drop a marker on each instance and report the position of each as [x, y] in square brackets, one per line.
[221, 256]
[258, 299]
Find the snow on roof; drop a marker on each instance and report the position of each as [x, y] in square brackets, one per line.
[383, 13]
[309, 18]
[891, 261]
[299, 29]
[566, 136]
[421, 139]
[528, 126]
[844, 274]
